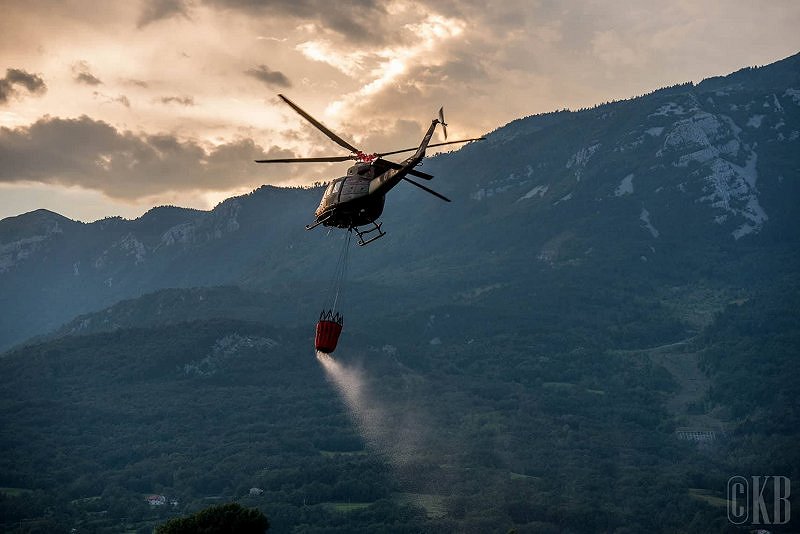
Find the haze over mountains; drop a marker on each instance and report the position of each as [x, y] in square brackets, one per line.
[590, 265]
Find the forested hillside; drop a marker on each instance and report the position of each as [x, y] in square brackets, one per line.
[594, 336]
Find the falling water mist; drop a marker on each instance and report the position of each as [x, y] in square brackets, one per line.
[394, 434]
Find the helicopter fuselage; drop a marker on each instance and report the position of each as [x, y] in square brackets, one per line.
[349, 202]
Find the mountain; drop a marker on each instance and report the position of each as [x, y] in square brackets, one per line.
[49, 274]
[653, 179]
[549, 428]
[595, 335]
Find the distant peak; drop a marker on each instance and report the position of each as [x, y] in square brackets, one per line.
[40, 214]
[162, 212]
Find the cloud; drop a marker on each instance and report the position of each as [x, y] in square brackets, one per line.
[365, 21]
[121, 164]
[389, 67]
[380, 136]
[87, 78]
[17, 77]
[181, 100]
[136, 83]
[155, 10]
[269, 77]
[323, 51]
[108, 99]
[82, 74]
[375, 71]
[610, 48]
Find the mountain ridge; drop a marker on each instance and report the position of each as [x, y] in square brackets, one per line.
[630, 181]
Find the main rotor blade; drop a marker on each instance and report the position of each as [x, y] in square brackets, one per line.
[321, 127]
[431, 145]
[306, 160]
[420, 174]
[412, 172]
[431, 191]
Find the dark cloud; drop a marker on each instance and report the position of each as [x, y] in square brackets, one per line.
[120, 99]
[270, 77]
[181, 100]
[137, 83]
[87, 78]
[82, 74]
[95, 155]
[356, 20]
[155, 10]
[19, 78]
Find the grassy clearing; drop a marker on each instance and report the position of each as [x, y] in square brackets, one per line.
[15, 492]
[520, 476]
[708, 497]
[698, 305]
[682, 361]
[83, 500]
[433, 504]
[344, 507]
[331, 454]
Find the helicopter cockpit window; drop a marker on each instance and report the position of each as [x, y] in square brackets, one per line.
[333, 188]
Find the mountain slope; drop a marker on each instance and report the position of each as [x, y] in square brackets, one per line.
[606, 283]
[706, 170]
[546, 429]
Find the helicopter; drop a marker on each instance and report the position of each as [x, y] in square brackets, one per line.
[356, 200]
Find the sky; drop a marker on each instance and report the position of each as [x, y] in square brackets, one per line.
[112, 108]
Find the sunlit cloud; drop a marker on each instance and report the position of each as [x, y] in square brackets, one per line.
[83, 75]
[389, 63]
[323, 51]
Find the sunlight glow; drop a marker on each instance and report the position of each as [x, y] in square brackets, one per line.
[324, 52]
[380, 69]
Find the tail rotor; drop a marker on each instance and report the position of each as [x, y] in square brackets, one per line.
[441, 121]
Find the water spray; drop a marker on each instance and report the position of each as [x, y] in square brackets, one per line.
[397, 439]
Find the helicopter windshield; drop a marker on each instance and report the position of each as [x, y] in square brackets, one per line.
[334, 187]
[331, 196]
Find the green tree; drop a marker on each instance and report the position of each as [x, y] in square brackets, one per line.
[220, 519]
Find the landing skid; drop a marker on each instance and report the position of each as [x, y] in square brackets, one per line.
[362, 233]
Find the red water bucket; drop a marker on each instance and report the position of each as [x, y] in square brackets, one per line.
[327, 336]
